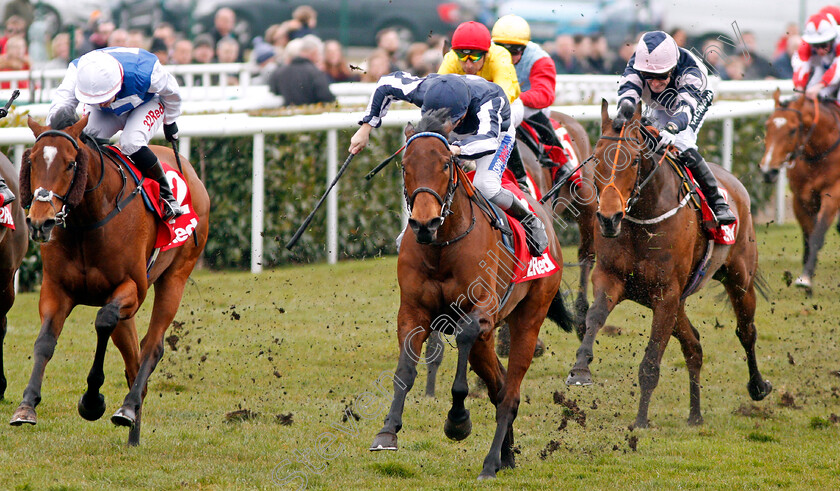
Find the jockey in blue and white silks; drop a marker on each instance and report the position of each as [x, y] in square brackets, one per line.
[125, 89]
[480, 113]
[674, 85]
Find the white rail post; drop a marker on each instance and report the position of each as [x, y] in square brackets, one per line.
[781, 187]
[332, 199]
[184, 146]
[18, 156]
[257, 203]
[728, 132]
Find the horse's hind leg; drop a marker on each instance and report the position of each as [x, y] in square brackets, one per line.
[54, 309]
[458, 425]
[434, 357]
[123, 304]
[743, 300]
[412, 332]
[689, 339]
[828, 212]
[126, 341]
[7, 299]
[168, 291]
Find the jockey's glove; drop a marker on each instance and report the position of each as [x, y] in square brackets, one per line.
[672, 127]
[626, 108]
[170, 131]
[666, 139]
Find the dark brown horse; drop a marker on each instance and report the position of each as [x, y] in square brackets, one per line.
[452, 272]
[99, 257]
[573, 202]
[804, 136]
[13, 245]
[649, 247]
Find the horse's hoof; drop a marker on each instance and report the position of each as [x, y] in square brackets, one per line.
[24, 414]
[760, 390]
[579, 377]
[695, 420]
[803, 282]
[486, 474]
[539, 349]
[92, 410]
[458, 431]
[384, 441]
[124, 416]
[641, 424]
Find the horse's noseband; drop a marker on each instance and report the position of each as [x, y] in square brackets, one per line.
[46, 195]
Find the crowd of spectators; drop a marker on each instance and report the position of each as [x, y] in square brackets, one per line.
[290, 54]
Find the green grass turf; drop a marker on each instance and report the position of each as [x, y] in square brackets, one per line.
[309, 340]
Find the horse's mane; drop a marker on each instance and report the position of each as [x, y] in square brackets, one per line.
[64, 117]
[435, 121]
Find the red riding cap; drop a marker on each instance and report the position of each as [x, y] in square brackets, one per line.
[471, 35]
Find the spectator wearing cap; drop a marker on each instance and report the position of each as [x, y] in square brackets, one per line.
[262, 57]
[300, 81]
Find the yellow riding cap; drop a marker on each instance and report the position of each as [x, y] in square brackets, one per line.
[511, 29]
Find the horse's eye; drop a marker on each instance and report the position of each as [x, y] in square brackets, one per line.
[71, 165]
[446, 166]
[792, 132]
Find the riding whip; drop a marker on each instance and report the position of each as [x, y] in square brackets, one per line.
[177, 154]
[305, 223]
[4, 111]
[559, 184]
[382, 165]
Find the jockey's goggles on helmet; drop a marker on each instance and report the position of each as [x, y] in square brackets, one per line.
[825, 45]
[473, 55]
[655, 76]
[515, 49]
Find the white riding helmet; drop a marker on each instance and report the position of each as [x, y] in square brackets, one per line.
[99, 77]
[820, 28]
[657, 52]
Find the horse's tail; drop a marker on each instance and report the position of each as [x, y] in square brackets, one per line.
[560, 313]
[761, 284]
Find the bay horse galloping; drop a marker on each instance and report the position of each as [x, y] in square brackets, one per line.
[804, 136]
[100, 257]
[452, 276]
[13, 246]
[575, 201]
[649, 250]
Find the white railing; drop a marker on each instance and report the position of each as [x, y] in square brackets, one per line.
[222, 125]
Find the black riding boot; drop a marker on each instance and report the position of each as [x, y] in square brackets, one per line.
[516, 166]
[6, 193]
[534, 227]
[151, 167]
[709, 185]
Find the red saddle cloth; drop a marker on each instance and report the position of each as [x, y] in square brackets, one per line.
[526, 267]
[6, 218]
[724, 234]
[175, 232]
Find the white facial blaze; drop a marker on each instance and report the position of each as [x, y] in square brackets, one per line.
[49, 155]
[768, 155]
[780, 121]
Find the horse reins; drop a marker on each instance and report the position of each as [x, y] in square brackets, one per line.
[800, 150]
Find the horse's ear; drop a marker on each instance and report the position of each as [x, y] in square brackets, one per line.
[776, 95]
[76, 129]
[446, 46]
[637, 114]
[409, 131]
[36, 128]
[605, 113]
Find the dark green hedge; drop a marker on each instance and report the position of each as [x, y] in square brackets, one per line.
[369, 212]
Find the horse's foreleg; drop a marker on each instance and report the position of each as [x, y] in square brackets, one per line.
[742, 295]
[689, 339]
[7, 299]
[586, 258]
[458, 425]
[168, 292]
[665, 312]
[828, 212]
[434, 357]
[806, 222]
[524, 331]
[54, 309]
[413, 330]
[122, 304]
[609, 290]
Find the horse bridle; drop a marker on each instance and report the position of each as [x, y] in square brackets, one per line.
[445, 201]
[799, 151]
[46, 195]
[638, 186]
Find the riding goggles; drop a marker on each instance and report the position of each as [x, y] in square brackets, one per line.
[473, 55]
[825, 45]
[655, 76]
[515, 49]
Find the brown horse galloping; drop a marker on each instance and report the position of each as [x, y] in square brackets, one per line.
[650, 253]
[13, 245]
[88, 262]
[804, 135]
[452, 276]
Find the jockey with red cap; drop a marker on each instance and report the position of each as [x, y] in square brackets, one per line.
[673, 83]
[482, 131]
[126, 89]
[815, 63]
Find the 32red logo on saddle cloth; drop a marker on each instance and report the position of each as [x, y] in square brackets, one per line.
[6, 218]
[170, 235]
